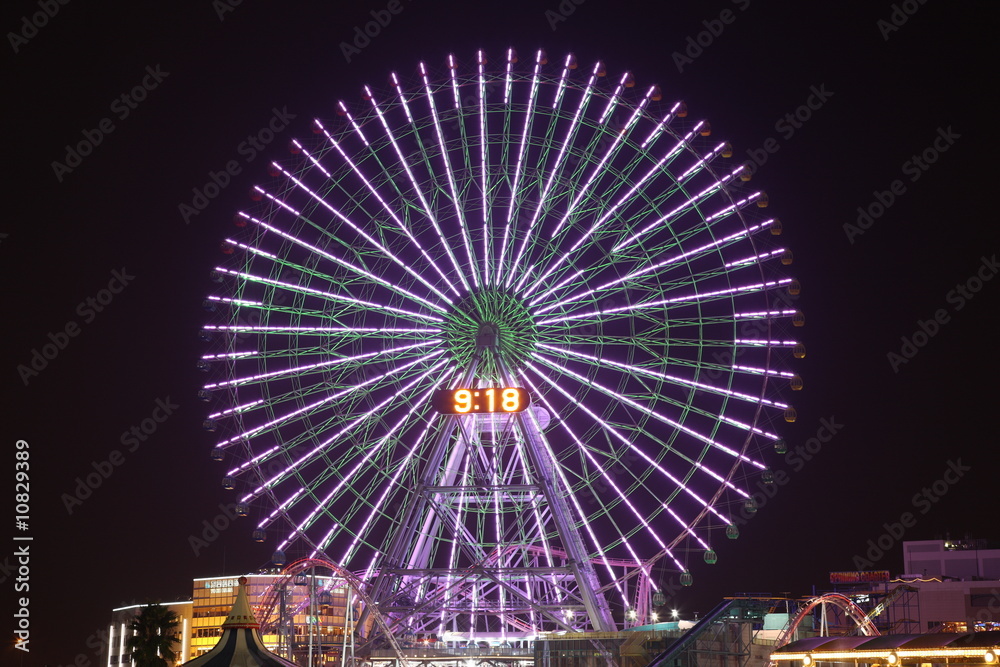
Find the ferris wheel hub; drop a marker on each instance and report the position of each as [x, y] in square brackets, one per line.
[495, 319]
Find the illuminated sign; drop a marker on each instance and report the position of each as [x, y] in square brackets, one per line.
[484, 399]
[860, 577]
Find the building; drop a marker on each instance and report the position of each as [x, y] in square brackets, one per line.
[293, 622]
[118, 632]
[957, 584]
[968, 560]
[239, 643]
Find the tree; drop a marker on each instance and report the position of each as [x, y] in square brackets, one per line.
[153, 636]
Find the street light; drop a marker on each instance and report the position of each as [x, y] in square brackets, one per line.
[674, 614]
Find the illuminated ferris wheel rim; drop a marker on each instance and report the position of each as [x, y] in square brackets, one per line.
[443, 293]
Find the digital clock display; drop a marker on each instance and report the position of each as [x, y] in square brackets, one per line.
[483, 399]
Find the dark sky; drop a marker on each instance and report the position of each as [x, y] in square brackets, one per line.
[216, 72]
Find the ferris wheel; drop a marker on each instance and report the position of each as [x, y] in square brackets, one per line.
[501, 338]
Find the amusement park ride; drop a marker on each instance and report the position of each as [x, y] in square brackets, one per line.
[497, 345]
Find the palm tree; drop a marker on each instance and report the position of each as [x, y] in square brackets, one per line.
[152, 639]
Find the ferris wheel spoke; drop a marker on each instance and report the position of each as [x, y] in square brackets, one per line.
[647, 411]
[484, 163]
[613, 432]
[656, 269]
[449, 173]
[356, 270]
[630, 369]
[418, 191]
[678, 300]
[280, 509]
[415, 413]
[555, 170]
[656, 171]
[328, 399]
[389, 211]
[520, 165]
[351, 425]
[622, 497]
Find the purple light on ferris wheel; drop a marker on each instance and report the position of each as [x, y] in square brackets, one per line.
[311, 454]
[375, 243]
[562, 80]
[755, 259]
[685, 527]
[452, 67]
[280, 509]
[645, 410]
[763, 371]
[688, 298]
[350, 119]
[570, 133]
[585, 448]
[518, 171]
[326, 400]
[413, 181]
[661, 125]
[614, 98]
[481, 64]
[402, 98]
[452, 187]
[399, 223]
[709, 156]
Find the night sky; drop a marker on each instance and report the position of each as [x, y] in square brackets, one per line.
[98, 259]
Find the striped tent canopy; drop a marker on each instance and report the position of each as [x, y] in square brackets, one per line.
[240, 644]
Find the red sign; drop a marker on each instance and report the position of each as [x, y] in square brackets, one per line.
[860, 577]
